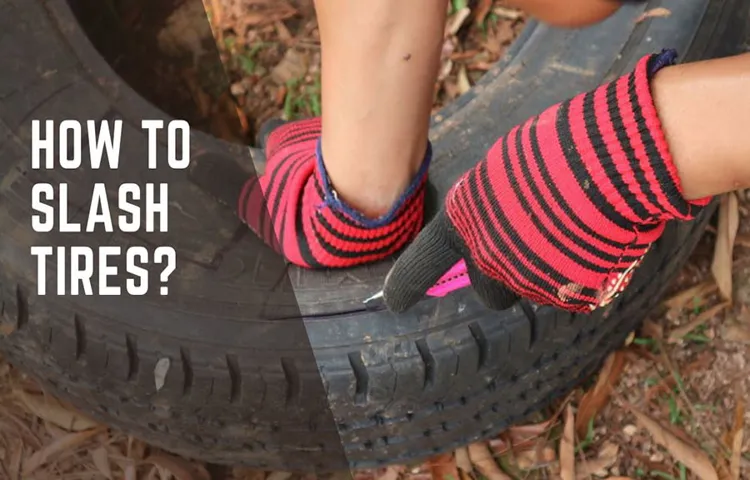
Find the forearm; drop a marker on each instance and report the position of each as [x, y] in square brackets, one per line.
[380, 61]
[704, 108]
[569, 13]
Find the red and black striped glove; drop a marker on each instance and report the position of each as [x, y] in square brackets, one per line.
[562, 209]
[293, 207]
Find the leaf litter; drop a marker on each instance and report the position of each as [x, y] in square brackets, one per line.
[692, 457]
[727, 229]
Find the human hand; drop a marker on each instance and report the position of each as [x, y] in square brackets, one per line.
[294, 209]
[563, 208]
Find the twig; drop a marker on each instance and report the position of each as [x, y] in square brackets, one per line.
[678, 333]
[217, 21]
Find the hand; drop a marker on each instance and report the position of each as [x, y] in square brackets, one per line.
[294, 208]
[562, 209]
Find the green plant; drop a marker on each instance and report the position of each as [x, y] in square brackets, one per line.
[589, 439]
[458, 5]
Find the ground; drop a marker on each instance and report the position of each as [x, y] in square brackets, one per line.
[671, 404]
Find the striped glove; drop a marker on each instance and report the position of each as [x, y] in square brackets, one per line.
[295, 210]
[563, 208]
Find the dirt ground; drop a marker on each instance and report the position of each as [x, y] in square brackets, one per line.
[671, 404]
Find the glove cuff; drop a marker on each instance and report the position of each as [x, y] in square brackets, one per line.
[290, 134]
[332, 200]
[633, 152]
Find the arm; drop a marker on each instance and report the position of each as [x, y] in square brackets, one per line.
[380, 64]
[704, 108]
[566, 220]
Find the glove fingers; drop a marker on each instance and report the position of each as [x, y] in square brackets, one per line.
[493, 294]
[420, 266]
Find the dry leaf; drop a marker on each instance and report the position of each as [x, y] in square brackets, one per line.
[462, 460]
[521, 437]
[742, 240]
[51, 410]
[737, 333]
[654, 12]
[677, 302]
[294, 65]
[598, 466]
[596, 398]
[736, 438]
[537, 457]
[284, 35]
[443, 467]
[130, 472]
[391, 473]
[677, 334]
[507, 13]
[694, 459]
[484, 461]
[101, 461]
[456, 22]
[462, 80]
[567, 447]
[482, 9]
[68, 442]
[445, 69]
[160, 372]
[16, 455]
[726, 231]
[180, 468]
[185, 31]
[154, 473]
[279, 475]
[261, 12]
[522, 433]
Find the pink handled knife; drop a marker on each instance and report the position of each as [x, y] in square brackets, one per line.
[454, 279]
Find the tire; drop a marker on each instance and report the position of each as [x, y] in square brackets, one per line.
[238, 388]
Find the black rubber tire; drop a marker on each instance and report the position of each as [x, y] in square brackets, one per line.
[400, 388]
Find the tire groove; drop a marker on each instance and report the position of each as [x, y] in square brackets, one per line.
[131, 347]
[429, 363]
[187, 372]
[482, 345]
[22, 313]
[361, 378]
[528, 310]
[235, 379]
[80, 334]
[291, 374]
